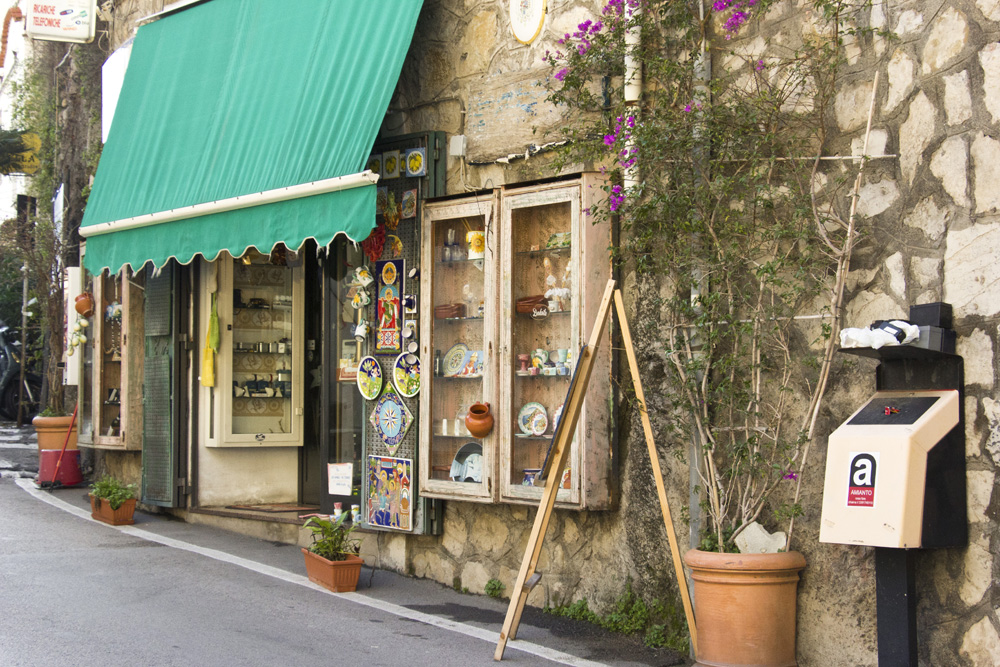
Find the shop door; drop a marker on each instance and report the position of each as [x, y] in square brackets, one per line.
[160, 464]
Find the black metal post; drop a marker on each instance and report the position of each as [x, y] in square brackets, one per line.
[896, 603]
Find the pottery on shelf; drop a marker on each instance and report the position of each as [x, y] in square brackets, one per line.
[479, 420]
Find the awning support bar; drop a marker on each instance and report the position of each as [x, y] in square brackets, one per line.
[324, 186]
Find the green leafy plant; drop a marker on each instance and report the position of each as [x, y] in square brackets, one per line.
[332, 537]
[732, 225]
[660, 623]
[112, 490]
[494, 588]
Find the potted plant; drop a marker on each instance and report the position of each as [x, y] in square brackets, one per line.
[112, 501]
[737, 241]
[332, 560]
[51, 427]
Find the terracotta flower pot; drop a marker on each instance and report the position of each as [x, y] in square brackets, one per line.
[339, 576]
[745, 607]
[479, 420]
[51, 432]
[101, 510]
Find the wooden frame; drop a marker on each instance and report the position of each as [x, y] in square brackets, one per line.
[225, 359]
[434, 273]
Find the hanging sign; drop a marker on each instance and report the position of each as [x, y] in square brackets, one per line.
[62, 20]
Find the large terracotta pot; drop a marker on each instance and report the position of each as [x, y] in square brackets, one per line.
[340, 576]
[51, 432]
[100, 509]
[744, 607]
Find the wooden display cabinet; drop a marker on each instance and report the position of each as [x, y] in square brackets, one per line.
[554, 273]
[460, 262]
[259, 366]
[113, 358]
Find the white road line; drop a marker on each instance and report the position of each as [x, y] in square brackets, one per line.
[277, 573]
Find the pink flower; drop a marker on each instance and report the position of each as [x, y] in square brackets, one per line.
[561, 74]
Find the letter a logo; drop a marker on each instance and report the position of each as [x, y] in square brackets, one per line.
[861, 483]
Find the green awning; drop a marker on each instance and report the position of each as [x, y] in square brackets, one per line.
[226, 104]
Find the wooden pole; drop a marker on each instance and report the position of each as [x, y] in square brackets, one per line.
[654, 460]
[526, 578]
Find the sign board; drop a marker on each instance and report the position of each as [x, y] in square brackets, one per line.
[861, 479]
[340, 478]
[62, 20]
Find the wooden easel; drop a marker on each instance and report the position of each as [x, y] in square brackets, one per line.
[527, 577]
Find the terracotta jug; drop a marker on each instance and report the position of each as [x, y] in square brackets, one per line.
[479, 420]
[84, 304]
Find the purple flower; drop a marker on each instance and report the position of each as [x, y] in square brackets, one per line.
[630, 121]
[561, 74]
[609, 140]
[759, 66]
[687, 109]
[790, 475]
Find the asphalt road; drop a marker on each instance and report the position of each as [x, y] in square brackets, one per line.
[164, 592]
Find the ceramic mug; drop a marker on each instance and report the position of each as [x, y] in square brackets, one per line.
[363, 276]
[477, 244]
[361, 331]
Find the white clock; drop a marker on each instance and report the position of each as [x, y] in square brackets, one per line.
[526, 19]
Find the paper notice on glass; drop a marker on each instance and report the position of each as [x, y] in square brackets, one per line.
[340, 476]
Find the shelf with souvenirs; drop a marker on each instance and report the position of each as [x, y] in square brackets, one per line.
[260, 357]
[110, 418]
[460, 247]
[551, 291]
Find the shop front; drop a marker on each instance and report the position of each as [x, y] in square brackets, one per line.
[230, 197]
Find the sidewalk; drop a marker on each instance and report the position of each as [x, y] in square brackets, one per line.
[554, 638]
[18, 451]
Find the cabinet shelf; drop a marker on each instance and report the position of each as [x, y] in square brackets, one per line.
[541, 252]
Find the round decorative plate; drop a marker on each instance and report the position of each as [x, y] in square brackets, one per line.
[414, 162]
[406, 374]
[389, 273]
[526, 417]
[539, 423]
[369, 378]
[556, 417]
[526, 18]
[453, 359]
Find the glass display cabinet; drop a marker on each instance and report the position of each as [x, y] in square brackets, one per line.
[551, 282]
[459, 260]
[111, 401]
[260, 359]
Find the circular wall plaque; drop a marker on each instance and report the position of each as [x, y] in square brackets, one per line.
[526, 18]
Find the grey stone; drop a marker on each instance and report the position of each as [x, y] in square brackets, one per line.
[949, 163]
[986, 162]
[977, 345]
[981, 644]
[915, 134]
[874, 198]
[926, 271]
[948, 36]
[927, 217]
[957, 100]
[970, 269]
[900, 71]
[989, 58]
[897, 275]
[909, 22]
[991, 408]
[755, 540]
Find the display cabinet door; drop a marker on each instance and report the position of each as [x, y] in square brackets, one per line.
[260, 360]
[459, 260]
[541, 335]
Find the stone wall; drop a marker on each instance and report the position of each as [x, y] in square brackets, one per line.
[930, 232]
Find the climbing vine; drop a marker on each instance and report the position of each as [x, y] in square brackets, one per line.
[736, 233]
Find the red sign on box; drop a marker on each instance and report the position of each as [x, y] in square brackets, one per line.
[860, 496]
[861, 479]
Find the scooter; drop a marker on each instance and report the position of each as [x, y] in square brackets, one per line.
[10, 379]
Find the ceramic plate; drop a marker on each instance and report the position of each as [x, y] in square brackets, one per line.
[369, 378]
[389, 273]
[526, 417]
[539, 422]
[391, 419]
[556, 416]
[453, 359]
[406, 374]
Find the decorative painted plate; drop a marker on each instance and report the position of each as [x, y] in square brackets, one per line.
[539, 423]
[556, 417]
[369, 378]
[391, 419]
[453, 359]
[526, 417]
[415, 162]
[406, 374]
[389, 273]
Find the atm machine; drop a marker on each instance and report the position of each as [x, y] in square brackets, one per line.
[895, 472]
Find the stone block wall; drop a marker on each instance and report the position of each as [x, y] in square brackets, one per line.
[930, 232]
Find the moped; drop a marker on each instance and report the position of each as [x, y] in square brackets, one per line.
[10, 378]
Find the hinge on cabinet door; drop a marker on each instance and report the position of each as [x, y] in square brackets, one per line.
[489, 485]
[183, 340]
[182, 487]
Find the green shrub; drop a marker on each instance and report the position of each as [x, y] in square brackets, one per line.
[494, 588]
[331, 538]
[112, 490]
